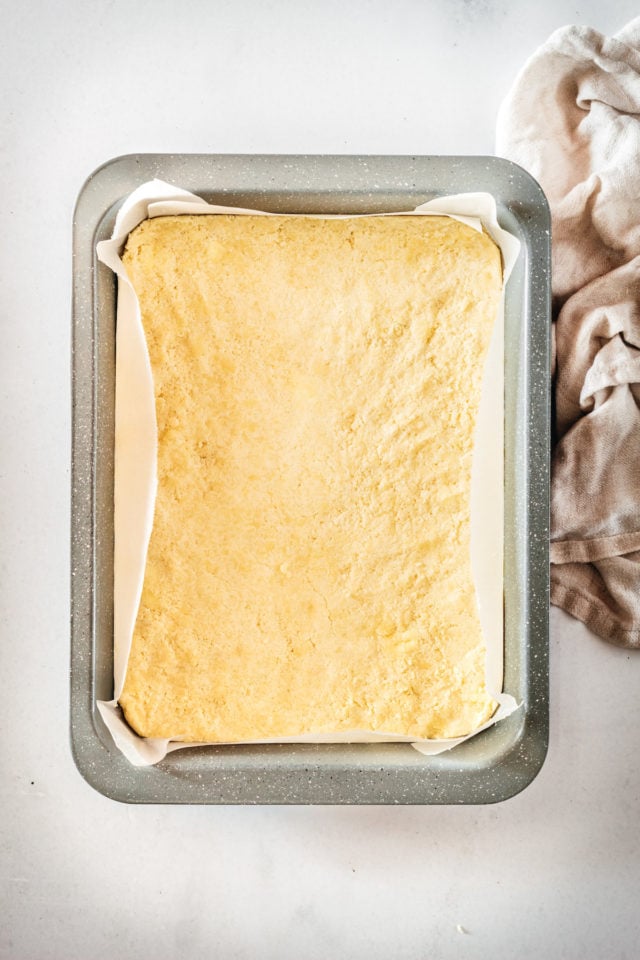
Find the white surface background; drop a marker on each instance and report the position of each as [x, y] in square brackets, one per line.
[553, 872]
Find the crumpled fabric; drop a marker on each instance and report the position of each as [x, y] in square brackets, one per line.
[572, 120]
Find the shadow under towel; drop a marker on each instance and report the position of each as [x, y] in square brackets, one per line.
[572, 120]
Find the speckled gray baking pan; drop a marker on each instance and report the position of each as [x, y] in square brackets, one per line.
[490, 767]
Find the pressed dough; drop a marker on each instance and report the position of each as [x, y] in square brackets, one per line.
[317, 383]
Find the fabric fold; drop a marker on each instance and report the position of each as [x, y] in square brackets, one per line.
[572, 120]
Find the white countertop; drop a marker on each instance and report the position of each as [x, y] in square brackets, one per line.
[552, 872]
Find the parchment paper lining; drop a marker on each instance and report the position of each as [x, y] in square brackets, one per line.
[135, 481]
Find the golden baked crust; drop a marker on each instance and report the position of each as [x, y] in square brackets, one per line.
[317, 383]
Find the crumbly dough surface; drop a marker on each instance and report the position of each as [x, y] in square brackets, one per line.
[317, 385]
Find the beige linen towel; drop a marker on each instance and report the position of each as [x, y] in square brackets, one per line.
[573, 120]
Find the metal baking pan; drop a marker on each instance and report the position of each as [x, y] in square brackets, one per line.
[492, 766]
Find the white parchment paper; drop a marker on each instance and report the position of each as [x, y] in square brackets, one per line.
[136, 464]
